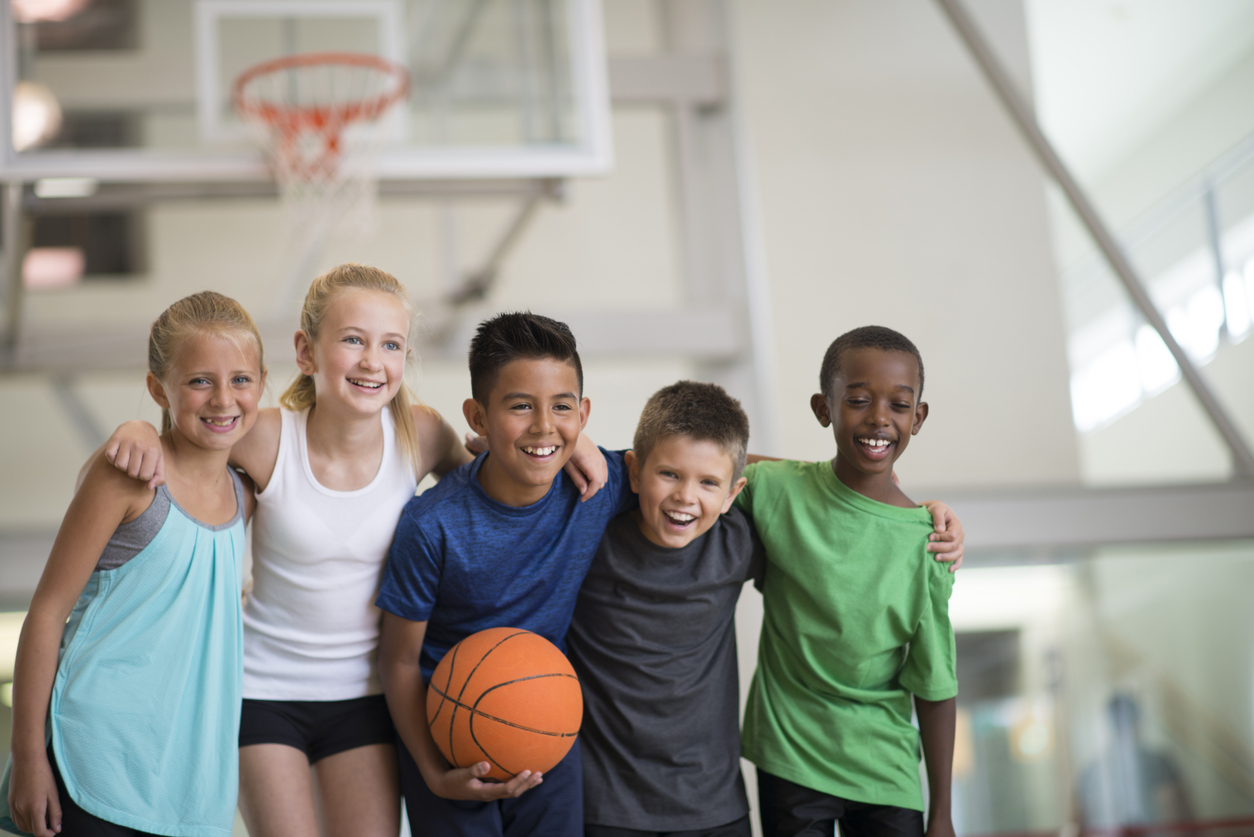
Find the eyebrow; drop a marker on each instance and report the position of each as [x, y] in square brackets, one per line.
[511, 395]
[858, 384]
[391, 335]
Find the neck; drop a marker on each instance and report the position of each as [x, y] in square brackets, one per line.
[878, 487]
[499, 487]
[192, 462]
[342, 435]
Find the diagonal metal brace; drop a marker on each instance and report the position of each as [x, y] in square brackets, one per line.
[1025, 118]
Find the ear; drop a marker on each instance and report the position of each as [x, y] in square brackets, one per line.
[475, 416]
[585, 409]
[737, 487]
[304, 354]
[819, 405]
[920, 416]
[157, 390]
[633, 470]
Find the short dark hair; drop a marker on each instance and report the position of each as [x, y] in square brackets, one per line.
[867, 337]
[704, 412]
[513, 336]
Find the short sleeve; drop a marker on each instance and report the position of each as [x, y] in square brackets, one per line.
[411, 578]
[930, 668]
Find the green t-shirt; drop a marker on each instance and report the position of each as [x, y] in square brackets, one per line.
[857, 619]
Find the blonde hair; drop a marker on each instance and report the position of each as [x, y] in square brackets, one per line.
[300, 394]
[207, 312]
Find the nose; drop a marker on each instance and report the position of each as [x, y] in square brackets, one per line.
[684, 491]
[882, 414]
[370, 359]
[223, 395]
[541, 422]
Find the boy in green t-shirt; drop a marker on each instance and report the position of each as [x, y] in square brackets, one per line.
[856, 616]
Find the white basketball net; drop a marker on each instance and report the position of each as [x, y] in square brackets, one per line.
[320, 118]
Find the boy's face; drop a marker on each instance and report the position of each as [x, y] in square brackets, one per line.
[684, 485]
[532, 418]
[874, 409]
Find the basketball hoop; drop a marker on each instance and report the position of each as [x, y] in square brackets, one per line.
[321, 116]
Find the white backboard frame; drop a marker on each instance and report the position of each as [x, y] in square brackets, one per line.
[592, 155]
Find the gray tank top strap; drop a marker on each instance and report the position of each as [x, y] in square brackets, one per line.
[132, 537]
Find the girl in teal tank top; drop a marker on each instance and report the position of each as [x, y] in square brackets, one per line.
[126, 691]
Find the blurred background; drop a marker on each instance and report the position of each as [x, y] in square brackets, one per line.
[716, 189]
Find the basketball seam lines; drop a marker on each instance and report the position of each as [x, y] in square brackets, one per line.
[475, 710]
[457, 702]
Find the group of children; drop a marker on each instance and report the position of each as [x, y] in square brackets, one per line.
[149, 687]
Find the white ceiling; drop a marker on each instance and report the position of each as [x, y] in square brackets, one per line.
[1108, 73]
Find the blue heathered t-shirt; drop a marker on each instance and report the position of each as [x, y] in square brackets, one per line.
[463, 562]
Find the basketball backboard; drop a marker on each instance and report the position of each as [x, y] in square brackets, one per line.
[500, 88]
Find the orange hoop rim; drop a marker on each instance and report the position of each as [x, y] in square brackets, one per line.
[290, 118]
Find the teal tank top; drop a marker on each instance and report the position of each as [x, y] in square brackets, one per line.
[144, 715]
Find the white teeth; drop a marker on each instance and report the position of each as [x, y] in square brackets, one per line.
[681, 517]
[875, 443]
[366, 384]
[540, 451]
[220, 422]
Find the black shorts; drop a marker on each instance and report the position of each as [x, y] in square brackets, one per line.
[318, 728]
[739, 828]
[792, 810]
[75, 822]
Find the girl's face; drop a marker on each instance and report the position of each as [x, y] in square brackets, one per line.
[358, 359]
[212, 389]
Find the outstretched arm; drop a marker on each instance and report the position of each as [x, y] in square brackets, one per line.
[400, 643]
[936, 728]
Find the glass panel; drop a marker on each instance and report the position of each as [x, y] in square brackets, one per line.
[485, 73]
[1111, 692]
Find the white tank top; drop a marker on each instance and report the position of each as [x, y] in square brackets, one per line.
[311, 630]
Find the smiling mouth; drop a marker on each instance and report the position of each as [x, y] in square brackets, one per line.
[218, 424]
[539, 452]
[371, 385]
[679, 519]
[875, 448]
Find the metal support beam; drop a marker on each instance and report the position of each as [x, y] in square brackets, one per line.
[14, 248]
[1030, 519]
[65, 389]
[1025, 118]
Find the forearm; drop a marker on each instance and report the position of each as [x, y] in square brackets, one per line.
[35, 670]
[936, 729]
[407, 701]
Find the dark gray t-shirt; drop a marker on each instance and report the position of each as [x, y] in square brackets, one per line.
[653, 640]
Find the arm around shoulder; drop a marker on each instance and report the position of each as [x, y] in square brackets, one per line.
[440, 448]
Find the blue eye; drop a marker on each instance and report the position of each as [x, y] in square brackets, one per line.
[352, 339]
[391, 344]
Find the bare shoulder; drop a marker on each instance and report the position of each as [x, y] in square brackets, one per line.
[104, 490]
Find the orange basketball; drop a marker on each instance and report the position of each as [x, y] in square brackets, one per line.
[505, 696]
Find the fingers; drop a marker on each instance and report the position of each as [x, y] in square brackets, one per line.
[521, 783]
[158, 474]
[54, 813]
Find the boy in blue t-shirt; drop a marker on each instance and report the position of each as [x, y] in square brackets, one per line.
[504, 541]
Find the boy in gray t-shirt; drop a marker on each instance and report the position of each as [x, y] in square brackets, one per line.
[653, 636]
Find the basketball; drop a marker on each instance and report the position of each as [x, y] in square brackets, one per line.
[505, 696]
